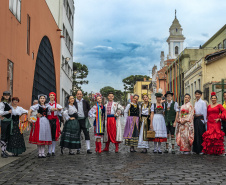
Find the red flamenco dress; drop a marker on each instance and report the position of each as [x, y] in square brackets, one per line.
[213, 138]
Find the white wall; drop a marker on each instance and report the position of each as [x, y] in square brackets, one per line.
[59, 12]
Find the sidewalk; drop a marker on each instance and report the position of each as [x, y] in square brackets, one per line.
[29, 149]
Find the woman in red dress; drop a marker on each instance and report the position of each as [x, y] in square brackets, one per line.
[213, 138]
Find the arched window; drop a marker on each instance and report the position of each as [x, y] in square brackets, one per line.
[176, 50]
[176, 29]
[44, 78]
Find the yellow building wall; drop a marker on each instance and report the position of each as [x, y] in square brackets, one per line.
[216, 39]
[215, 71]
[139, 91]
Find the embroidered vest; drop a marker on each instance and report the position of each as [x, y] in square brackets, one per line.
[170, 113]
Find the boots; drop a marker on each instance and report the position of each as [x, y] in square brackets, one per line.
[116, 147]
[106, 149]
[99, 147]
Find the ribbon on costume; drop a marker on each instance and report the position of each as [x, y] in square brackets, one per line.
[99, 127]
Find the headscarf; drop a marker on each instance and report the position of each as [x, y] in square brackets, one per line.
[55, 97]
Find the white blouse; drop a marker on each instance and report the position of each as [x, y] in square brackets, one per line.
[71, 110]
[2, 107]
[18, 111]
[55, 112]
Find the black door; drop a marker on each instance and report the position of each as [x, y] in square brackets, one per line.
[44, 78]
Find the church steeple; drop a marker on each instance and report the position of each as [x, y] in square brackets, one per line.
[175, 39]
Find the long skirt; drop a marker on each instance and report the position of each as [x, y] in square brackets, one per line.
[131, 132]
[159, 127]
[213, 139]
[70, 137]
[111, 129]
[16, 142]
[185, 136]
[41, 132]
[199, 129]
[143, 141]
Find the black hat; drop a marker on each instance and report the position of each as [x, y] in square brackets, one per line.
[169, 92]
[6, 93]
[158, 94]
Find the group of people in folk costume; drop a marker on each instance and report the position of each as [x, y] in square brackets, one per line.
[197, 128]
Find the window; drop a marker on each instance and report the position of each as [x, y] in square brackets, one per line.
[176, 50]
[224, 44]
[10, 76]
[28, 34]
[195, 88]
[144, 87]
[199, 84]
[15, 8]
[220, 46]
[176, 29]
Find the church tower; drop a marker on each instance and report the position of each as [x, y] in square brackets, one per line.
[175, 39]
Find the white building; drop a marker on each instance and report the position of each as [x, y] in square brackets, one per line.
[175, 39]
[63, 13]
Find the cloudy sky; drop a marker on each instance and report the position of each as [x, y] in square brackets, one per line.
[119, 38]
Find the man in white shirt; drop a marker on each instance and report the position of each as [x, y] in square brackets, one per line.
[83, 108]
[200, 119]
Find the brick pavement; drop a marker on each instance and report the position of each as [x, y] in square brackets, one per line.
[115, 168]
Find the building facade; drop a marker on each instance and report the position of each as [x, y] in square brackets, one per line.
[29, 50]
[143, 87]
[63, 13]
[218, 40]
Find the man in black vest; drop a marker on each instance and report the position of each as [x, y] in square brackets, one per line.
[83, 108]
[171, 115]
[5, 113]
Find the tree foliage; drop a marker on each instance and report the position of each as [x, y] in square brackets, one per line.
[118, 94]
[130, 81]
[80, 72]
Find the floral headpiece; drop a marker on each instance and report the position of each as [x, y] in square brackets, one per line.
[144, 94]
[213, 93]
[97, 95]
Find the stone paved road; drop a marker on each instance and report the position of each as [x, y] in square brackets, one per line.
[111, 168]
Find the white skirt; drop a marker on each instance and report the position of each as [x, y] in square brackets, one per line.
[159, 126]
[141, 142]
[44, 130]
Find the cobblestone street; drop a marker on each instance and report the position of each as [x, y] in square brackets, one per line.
[115, 168]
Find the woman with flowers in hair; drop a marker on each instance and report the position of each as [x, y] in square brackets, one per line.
[98, 113]
[213, 138]
[185, 127]
[158, 122]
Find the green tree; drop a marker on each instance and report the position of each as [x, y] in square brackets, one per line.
[117, 93]
[130, 81]
[80, 72]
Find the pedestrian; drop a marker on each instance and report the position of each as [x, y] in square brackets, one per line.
[98, 112]
[16, 144]
[224, 121]
[185, 127]
[131, 131]
[158, 122]
[83, 108]
[145, 112]
[113, 125]
[213, 138]
[41, 131]
[70, 137]
[171, 115]
[6, 121]
[56, 110]
[199, 122]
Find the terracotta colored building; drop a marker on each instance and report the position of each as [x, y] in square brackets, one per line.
[29, 50]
